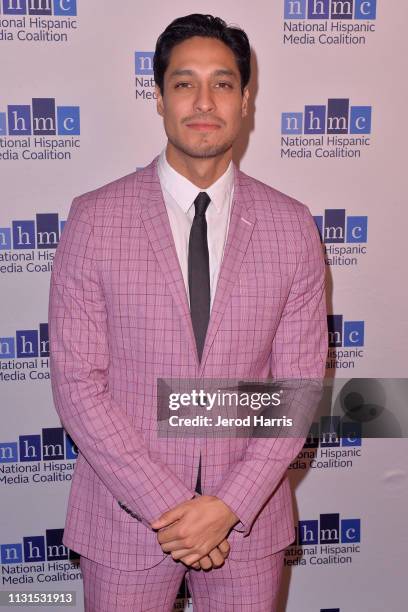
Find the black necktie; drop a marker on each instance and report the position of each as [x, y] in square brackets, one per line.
[199, 272]
[199, 281]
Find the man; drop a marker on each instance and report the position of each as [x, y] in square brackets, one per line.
[187, 268]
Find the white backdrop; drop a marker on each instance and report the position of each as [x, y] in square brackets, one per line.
[85, 69]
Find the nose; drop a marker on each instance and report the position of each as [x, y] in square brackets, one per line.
[204, 101]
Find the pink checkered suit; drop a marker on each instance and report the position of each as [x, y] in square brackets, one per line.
[119, 319]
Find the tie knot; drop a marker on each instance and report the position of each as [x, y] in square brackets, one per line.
[201, 202]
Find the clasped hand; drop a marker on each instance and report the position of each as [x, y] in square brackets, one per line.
[195, 531]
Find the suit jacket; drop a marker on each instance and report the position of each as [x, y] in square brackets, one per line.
[119, 319]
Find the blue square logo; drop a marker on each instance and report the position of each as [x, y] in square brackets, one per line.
[55, 548]
[342, 9]
[353, 333]
[44, 116]
[329, 528]
[315, 119]
[3, 124]
[360, 120]
[292, 123]
[34, 549]
[295, 9]
[365, 9]
[27, 343]
[7, 348]
[144, 62]
[351, 434]
[5, 238]
[19, 120]
[357, 229]
[350, 531]
[68, 120]
[53, 443]
[11, 553]
[39, 7]
[23, 234]
[335, 329]
[318, 10]
[338, 116]
[65, 7]
[47, 230]
[334, 225]
[14, 7]
[8, 452]
[308, 532]
[30, 448]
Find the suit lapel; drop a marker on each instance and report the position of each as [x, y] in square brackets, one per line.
[157, 225]
[242, 221]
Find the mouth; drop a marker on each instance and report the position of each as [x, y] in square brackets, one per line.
[203, 127]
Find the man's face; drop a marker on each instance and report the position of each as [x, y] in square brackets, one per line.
[202, 104]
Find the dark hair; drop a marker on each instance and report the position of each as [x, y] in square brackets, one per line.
[208, 26]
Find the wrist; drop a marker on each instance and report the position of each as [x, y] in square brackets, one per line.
[233, 519]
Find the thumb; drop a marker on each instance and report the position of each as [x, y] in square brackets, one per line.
[167, 518]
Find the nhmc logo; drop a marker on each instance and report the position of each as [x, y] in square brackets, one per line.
[52, 444]
[330, 9]
[39, 7]
[338, 117]
[329, 609]
[329, 529]
[336, 227]
[330, 431]
[344, 333]
[144, 62]
[43, 233]
[42, 118]
[26, 344]
[35, 549]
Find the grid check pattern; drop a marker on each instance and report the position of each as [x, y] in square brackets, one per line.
[119, 319]
[236, 586]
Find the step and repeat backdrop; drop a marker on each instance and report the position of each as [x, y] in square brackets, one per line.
[77, 110]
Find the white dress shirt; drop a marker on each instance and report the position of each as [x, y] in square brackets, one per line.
[179, 194]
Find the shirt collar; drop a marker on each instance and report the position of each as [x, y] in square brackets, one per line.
[185, 192]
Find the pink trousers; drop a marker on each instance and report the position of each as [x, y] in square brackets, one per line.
[235, 587]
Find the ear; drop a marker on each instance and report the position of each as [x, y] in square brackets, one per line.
[159, 103]
[244, 106]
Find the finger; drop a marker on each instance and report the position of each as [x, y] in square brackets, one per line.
[184, 552]
[216, 557]
[174, 545]
[205, 563]
[167, 527]
[167, 518]
[224, 548]
[196, 565]
[189, 559]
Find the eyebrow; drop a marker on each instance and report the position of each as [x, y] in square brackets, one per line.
[188, 72]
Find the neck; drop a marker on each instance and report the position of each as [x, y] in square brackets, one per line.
[201, 171]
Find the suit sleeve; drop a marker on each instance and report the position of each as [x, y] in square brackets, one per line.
[79, 365]
[298, 354]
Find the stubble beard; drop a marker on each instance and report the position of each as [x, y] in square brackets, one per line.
[203, 150]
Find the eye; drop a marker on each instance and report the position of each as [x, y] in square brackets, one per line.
[224, 85]
[181, 85]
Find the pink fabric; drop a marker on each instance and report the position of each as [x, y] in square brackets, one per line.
[237, 586]
[119, 319]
